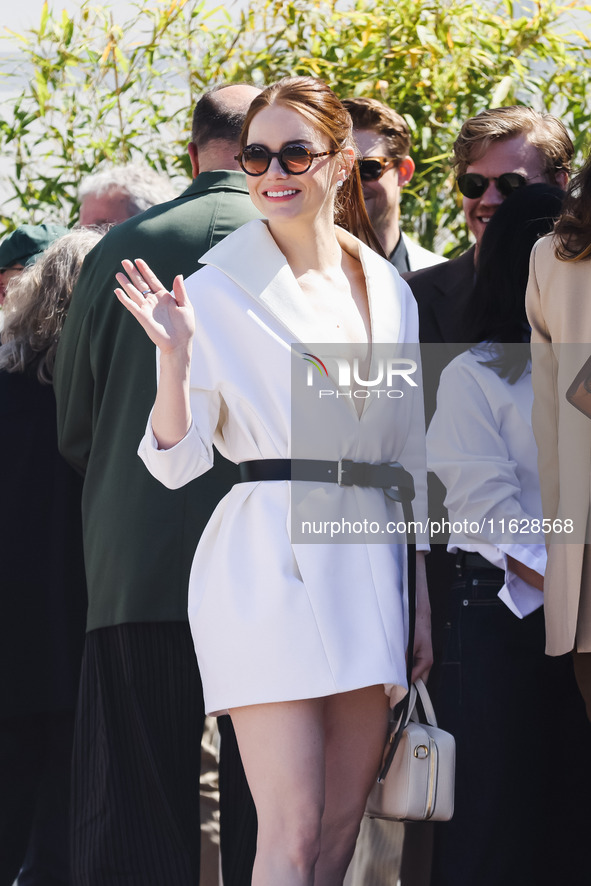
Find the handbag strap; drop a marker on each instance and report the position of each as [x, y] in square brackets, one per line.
[403, 710]
[426, 703]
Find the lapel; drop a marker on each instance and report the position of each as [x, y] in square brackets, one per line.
[251, 259]
[456, 283]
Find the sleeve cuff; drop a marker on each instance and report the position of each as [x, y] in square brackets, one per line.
[183, 462]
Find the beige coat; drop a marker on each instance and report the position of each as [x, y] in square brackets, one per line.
[558, 304]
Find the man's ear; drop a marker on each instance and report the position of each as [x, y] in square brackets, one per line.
[194, 158]
[406, 170]
[561, 179]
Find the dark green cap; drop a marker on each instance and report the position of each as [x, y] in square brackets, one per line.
[27, 242]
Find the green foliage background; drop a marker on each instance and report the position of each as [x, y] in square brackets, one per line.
[92, 88]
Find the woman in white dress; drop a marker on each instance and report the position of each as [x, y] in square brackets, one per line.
[301, 639]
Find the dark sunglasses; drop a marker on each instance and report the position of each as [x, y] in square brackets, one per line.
[473, 185]
[372, 168]
[294, 159]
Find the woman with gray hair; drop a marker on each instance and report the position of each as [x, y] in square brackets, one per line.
[43, 601]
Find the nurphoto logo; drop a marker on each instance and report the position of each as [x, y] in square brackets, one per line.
[387, 372]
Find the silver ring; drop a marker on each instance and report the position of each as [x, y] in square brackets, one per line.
[145, 291]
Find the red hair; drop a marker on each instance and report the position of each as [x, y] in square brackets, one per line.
[315, 101]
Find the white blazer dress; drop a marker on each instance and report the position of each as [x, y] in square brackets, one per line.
[275, 617]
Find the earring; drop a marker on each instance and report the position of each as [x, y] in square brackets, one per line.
[339, 184]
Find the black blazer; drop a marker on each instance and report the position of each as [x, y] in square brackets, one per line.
[443, 293]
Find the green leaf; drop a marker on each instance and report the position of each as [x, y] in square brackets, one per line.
[44, 17]
[501, 91]
[436, 61]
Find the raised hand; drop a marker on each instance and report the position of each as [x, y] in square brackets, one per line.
[167, 317]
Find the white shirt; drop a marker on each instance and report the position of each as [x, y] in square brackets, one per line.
[419, 257]
[481, 446]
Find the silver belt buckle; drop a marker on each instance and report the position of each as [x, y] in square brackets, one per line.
[344, 465]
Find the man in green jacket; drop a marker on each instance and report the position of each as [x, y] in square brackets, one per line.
[140, 718]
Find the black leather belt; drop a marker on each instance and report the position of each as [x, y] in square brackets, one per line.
[473, 560]
[390, 476]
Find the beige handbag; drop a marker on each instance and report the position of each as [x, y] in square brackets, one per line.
[416, 782]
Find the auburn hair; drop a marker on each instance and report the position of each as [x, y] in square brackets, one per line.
[572, 240]
[315, 101]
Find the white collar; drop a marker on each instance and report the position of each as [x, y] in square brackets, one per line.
[251, 258]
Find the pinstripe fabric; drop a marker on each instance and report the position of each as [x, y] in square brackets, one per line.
[135, 796]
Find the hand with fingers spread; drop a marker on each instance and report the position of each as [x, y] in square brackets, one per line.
[167, 317]
[169, 321]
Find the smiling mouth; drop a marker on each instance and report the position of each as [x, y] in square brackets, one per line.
[287, 193]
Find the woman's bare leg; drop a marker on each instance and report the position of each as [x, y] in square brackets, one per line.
[310, 765]
[282, 749]
[355, 732]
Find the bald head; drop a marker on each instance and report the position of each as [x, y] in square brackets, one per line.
[217, 123]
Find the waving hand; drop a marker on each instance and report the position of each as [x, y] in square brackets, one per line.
[167, 317]
[169, 321]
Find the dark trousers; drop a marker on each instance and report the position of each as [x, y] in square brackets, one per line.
[521, 813]
[582, 665]
[35, 755]
[135, 797]
[238, 818]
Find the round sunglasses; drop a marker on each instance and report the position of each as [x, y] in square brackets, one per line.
[371, 169]
[293, 158]
[474, 185]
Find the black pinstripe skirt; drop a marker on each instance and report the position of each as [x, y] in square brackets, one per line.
[135, 794]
